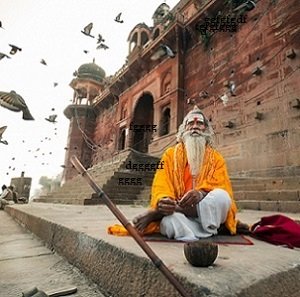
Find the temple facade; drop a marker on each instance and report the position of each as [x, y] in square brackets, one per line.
[237, 60]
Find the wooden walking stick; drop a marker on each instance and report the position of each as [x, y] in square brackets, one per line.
[130, 228]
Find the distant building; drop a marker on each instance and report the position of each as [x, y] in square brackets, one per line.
[22, 185]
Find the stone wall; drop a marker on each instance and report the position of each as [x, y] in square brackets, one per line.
[258, 129]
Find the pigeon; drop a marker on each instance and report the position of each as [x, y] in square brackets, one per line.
[4, 56]
[85, 51]
[1, 25]
[161, 52]
[102, 45]
[55, 84]
[51, 118]
[118, 18]
[87, 30]
[225, 99]
[14, 49]
[232, 88]
[15, 102]
[2, 129]
[168, 51]
[43, 62]
[100, 39]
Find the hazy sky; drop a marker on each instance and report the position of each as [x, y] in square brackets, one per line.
[50, 30]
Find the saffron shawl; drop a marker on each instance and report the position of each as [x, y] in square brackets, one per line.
[171, 182]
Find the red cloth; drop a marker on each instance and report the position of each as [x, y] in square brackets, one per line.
[278, 229]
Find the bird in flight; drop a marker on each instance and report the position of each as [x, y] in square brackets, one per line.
[15, 102]
[55, 84]
[2, 129]
[1, 25]
[43, 62]
[4, 56]
[102, 45]
[85, 51]
[118, 18]
[51, 118]
[87, 30]
[14, 49]
[100, 39]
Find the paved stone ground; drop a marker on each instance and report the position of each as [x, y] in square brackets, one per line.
[121, 267]
[25, 263]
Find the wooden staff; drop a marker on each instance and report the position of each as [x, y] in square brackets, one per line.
[130, 228]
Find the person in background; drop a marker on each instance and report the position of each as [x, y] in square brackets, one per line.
[6, 196]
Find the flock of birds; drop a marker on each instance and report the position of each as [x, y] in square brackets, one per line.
[15, 102]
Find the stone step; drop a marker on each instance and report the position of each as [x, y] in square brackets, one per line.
[291, 195]
[284, 183]
[280, 206]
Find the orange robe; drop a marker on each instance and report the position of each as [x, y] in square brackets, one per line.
[174, 180]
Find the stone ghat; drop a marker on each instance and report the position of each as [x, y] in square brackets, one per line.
[121, 268]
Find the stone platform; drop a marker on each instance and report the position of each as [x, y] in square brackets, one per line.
[122, 269]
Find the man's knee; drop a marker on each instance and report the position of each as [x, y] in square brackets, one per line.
[221, 197]
[175, 216]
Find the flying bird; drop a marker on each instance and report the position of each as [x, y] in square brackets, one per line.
[2, 129]
[15, 102]
[43, 62]
[4, 56]
[85, 51]
[87, 30]
[14, 49]
[100, 39]
[55, 84]
[102, 45]
[118, 18]
[1, 25]
[163, 51]
[51, 118]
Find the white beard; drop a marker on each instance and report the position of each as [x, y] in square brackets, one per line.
[195, 149]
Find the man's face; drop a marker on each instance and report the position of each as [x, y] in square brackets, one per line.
[196, 125]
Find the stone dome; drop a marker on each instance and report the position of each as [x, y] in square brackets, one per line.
[91, 71]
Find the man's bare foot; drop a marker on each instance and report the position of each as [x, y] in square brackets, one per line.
[143, 220]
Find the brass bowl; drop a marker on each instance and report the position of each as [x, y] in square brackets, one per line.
[201, 253]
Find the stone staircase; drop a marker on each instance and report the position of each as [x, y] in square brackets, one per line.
[106, 174]
[280, 194]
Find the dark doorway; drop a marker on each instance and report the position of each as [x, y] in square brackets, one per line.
[121, 145]
[143, 120]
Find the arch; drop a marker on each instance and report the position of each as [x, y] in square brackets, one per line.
[122, 139]
[133, 42]
[144, 37]
[164, 125]
[156, 33]
[166, 83]
[141, 124]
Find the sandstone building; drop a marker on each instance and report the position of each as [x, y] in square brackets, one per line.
[246, 82]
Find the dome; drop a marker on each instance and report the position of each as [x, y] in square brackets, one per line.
[91, 71]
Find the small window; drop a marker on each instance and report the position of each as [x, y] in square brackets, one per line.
[165, 122]
[122, 140]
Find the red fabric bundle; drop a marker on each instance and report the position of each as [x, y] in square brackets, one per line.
[278, 229]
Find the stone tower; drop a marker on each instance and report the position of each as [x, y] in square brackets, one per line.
[88, 83]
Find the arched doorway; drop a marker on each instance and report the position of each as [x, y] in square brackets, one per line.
[142, 123]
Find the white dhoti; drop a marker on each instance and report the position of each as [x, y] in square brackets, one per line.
[212, 212]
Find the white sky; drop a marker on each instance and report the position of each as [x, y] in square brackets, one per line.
[50, 30]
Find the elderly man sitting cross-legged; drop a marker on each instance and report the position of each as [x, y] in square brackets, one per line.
[192, 195]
